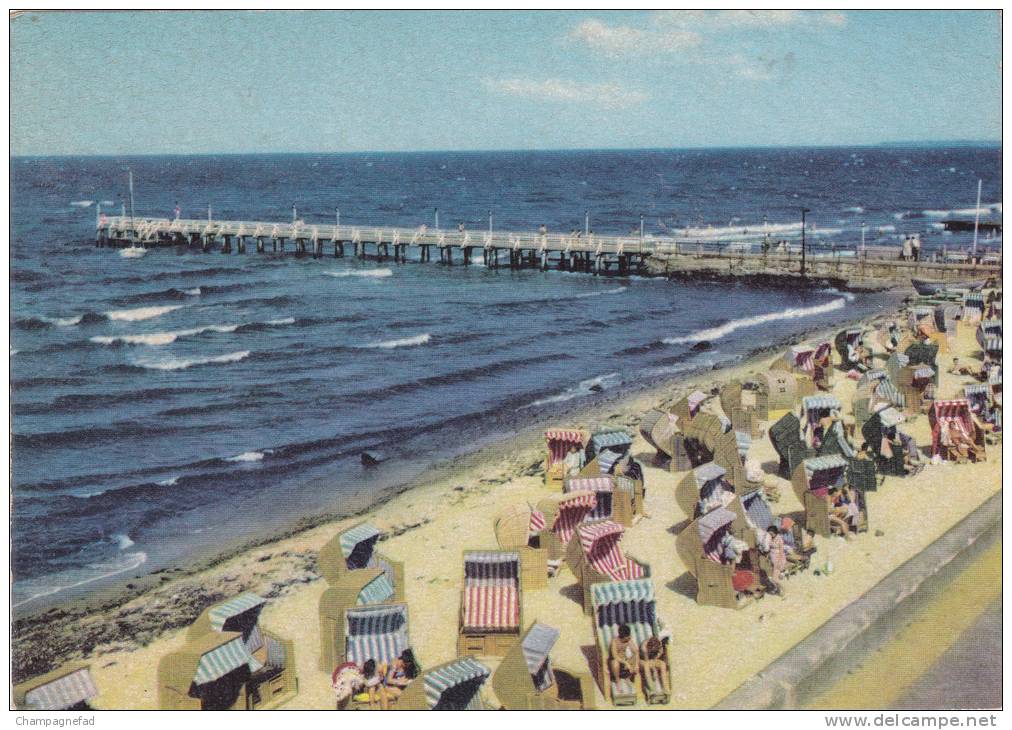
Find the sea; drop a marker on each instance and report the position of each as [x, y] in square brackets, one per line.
[170, 404]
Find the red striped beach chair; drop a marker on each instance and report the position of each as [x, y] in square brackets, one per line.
[720, 581]
[562, 514]
[558, 442]
[603, 489]
[957, 411]
[490, 603]
[629, 602]
[596, 556]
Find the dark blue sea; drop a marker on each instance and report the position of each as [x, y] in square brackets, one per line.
[182, 401]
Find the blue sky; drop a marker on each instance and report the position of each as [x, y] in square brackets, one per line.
[191, 82]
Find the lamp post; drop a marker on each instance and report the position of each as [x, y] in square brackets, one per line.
[490, 222]
[437, 218]
[586, 223]
[804, 211]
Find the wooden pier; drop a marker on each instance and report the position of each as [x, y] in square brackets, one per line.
[593, 254]
[877, 267]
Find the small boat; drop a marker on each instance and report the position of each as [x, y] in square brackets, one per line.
[927, 287]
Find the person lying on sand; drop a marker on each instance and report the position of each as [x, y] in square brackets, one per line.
[959, 368]
[623, 656]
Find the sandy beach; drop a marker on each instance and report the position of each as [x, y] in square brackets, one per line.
[123, 636]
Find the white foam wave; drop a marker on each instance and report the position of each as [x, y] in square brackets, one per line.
[182, 364]
[129, 561]
[141, 313]
[247, 456]
[887, 229]
[584, 387]
[750, 231]
[715, 333]
[63, 321]
[170, 482]
[14, 352]
[123, 541]
[134, 252]
[616, 290]
[82, 203]
[280, 322]
[854, 209]
[405, 342]
[161, 338]
[985, 209]
[195, 292]
[108, 202]
[369, 273]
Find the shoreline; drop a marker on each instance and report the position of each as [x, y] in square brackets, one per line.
[507, 457]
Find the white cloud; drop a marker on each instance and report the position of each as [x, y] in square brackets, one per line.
[621, 40]
[749, 18]
[606, 95]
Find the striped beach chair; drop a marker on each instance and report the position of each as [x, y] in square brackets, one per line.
[661, 430]
[946, 412]
[528, 679]
[558, 442]
[272, 680]
[562, 514]
[490, 603]
[813, 479]
[71, 687]
[629, 602]
[355, 549]
[813, 408]
[209, 672]
[719, 581]
[455, 685]
[596, 556]
[359, 588]
[603, 489]
[706, 482]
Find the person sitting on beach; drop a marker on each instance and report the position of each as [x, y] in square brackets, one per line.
[573, 462]
[839, 513]
[346, 681]
[959, 368]
[372, 690]
[623, 657]
[959, 444]
[399, 674]
[654, 668]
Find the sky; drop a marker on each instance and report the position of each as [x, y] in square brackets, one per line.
[230, 82]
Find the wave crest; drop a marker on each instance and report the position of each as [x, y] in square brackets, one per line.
[715, 333]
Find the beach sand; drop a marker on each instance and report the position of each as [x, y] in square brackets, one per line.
[714, 650]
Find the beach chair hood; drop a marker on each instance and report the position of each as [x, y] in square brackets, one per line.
[456, 685]
[491, 593]
[629, 602]
[376, 632]
[712, 522]
[60, 689]
[600, 544]
[824, 472]
[559, 441]
[602, 487]
[757, 510]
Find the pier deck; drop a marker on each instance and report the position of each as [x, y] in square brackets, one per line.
[592, 253]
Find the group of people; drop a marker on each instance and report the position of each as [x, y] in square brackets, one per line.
[626, 660]
[845, 512]
[374, 684]
[911, 248]
[778, 543]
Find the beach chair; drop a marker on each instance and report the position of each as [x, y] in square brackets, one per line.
[743, 413]
[355, 549]
[603, 489]
[558, 442]
[209, 672]
[720, 582]
[785, 435]
[519, 528]
[944, 412]
[813, 408]
[71, 687]
[632, 603]
[882, 424]
[275, 682]
[844, 341]
[973, 307]
[528, 679]
[811, 361]
[363, 587]
[730, 451]
[660, 430]
[706, 482]
[379, 633]
[862, 474]
[609, 454]
[992, 347]
[563, 513]
[917, 385]
[757, 514]
[981, 401]
[922, 353]
[777, 393]
[701, 437]
[689, 407]
[595, 556]
[813, 479]
[987, 328]
[455, 685]
[491, 604]
[922, 318]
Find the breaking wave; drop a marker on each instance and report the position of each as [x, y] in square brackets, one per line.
[184, 363]
[405, 342]
[715, 333]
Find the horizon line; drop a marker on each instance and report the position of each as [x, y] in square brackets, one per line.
[896, 143]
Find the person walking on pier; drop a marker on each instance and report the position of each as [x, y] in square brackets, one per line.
[177, 211]
[908, 249]
[460, 227]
